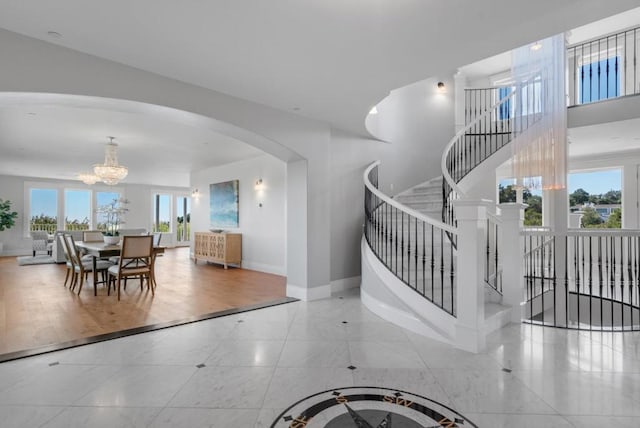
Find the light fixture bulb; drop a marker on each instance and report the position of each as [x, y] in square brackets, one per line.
[374, 110]
[110, 172]
[88, 178]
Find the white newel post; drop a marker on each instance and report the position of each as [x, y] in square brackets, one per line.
[512, 255]
[472, 225]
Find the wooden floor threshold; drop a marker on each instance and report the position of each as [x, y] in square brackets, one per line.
[138, 330]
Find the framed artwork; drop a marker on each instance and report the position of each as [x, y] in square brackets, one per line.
[223, 204]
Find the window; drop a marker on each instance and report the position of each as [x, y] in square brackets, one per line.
[595, 198]
[161, 213]
[77, 209]
[600, 80]
[102, 199]
[183, 218]
[43, 210]
[533, 212]
[528, 100]
[505, 108]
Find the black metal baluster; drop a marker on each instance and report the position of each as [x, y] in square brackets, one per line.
[630, 257]
[577, 241]
[424, 258]
[612, 270]
[590, 266]
[554, 280]
[488, 255]
[542, 282]
[441, 268]
[402, 245]
[497, 257]
[433, 265]
[451, 279]
[396, 239]
[600, 281]
[415, 250]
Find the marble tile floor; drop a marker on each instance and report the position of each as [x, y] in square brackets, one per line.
[243, 370]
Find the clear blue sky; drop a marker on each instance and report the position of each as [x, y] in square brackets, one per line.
[78, 203]
[595, 182]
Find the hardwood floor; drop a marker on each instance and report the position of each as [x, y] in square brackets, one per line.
[37, 310]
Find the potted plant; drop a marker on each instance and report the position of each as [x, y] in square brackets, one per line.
[113, 213]
[7, 218]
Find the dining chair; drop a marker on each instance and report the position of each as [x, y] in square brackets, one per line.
[69, 262]
[93, 236]
[81, 268]
[136, 259]
[157, 237]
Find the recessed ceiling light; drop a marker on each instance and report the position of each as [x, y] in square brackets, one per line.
[54, 34]
[31, 113]
[296, 109]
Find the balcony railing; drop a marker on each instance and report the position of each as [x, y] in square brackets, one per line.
[52, 228]
[412, 246]
[587, 280]
[604, 68]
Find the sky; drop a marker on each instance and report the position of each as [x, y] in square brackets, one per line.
[78, 203]
[594, 182]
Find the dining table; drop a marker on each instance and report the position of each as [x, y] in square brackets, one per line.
[100, 249]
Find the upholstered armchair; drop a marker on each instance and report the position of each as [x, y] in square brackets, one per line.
[41, 242]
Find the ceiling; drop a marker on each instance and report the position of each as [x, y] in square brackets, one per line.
[612, 139]
[329, 60]
[160, 146]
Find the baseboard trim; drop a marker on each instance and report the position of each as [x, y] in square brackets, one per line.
[307, 294]
[262, 267]
[345, 284]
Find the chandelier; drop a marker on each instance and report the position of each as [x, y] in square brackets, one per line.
[110, 172]
[88, 178]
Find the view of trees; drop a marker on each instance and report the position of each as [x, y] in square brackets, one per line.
[533, 213]
[581, 196]
[43, 222]
[50, 224]
[591, 218]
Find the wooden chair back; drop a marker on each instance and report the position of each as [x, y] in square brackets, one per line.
[136, 250]
[92, 236]
[65, 248]
[72, 250]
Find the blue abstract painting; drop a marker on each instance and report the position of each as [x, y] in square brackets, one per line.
[224, 204]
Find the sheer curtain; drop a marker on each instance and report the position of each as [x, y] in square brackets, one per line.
[540, 151]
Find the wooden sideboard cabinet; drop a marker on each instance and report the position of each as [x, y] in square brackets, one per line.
[225, 248]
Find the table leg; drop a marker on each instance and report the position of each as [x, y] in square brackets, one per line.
[95, 276]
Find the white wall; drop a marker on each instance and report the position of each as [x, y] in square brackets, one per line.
[263, 228]
[423, 125]
[350, 156]
[418, 121]
[16, 240]
[12, 189]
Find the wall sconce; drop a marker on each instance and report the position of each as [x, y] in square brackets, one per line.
[259, 191]
[195, 193]
[441, 87]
